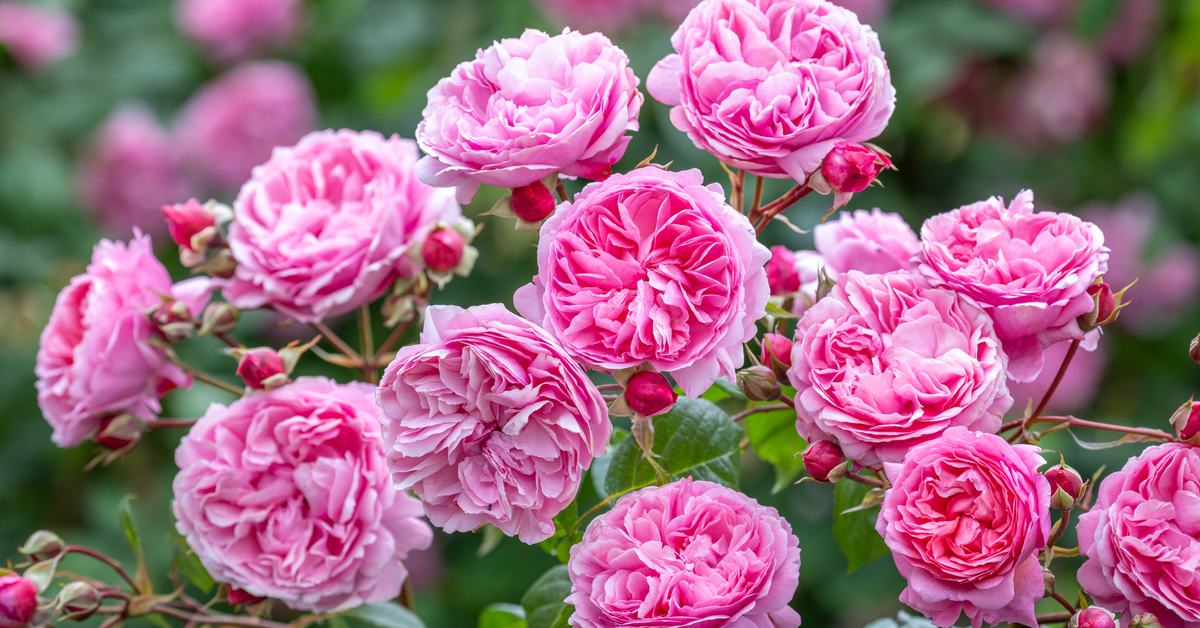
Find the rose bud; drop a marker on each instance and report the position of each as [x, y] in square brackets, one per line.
[186, 220]
[1194, 349]
[43, 545]
[1107, 306]
[1066, 486]
[821, 458]
[218, 318]
[1186, 422]
[78, 600]
[1144, 620]
[261, 368]
[533, 202]
[238, 597]
[850, 167]
[120, 431]
[443, 250]
[649, 393]
[1048, 581]
[18, 601]
[783, 276]
[1092, 617]
[759, 383]
[776, 354]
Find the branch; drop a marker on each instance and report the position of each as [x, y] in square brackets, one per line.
[1062, 370]
[1075, 422]
[168, 423]
[216, 619]
[563, 195]
[756, 204]
[391, 341]
[1065, 604]
[212, 380]
[369, 374]
[223, 337]
[776, 207]
[756, 409]
[111, 562]
[336, 341]
[1054, 618]
[862, 479]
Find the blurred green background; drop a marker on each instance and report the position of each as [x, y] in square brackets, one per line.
[966, 127]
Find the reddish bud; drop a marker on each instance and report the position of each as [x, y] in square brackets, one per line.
[776, 354]
[1069, 482]
[239, 597]
[821, 458]
[850, 167]
[532, 203]
[119, 431]
[648, 393]
[1105, 303]
[255, 366]
[1186, 422]
[782, 274]
[1093, 617]
[186, 220]
[18, 601]
[759, 383]
[1194, 349]
[443, 250]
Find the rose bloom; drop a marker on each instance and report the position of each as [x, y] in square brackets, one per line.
[650, 266]
[965, 518]
[1061, 96]
[130, 170]
[488, 420]
[1029, 270]
[327, 225]
[689, 553]
[1077, 388]
[873, 242]
[95, 358]
[884, 363]
[232, 124]
[37, 36]
[1142, 538]
[527, 108]
[284, 494]
[228, 29]
[768, 102]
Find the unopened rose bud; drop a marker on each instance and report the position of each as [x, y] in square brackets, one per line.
[777, 354]
[821, 458]
[1093, 617]
[1194, 349]
[850, 167]
[222, 265]
[258, 366]
[43, 545]
[120, 431]
[532, 203]
[759, 383]
[78, 600]
[648, 393]
[443, 250]
[1047, 581]
[18, 601]
[1186, 422]
[238, 597]
[783, 276]
[186, 220]
[1144, 620]
[218, 318]
[1066, 486]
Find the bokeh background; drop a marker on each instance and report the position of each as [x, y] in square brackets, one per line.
[125, 105]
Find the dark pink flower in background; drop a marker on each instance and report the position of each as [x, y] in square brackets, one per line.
[232, 29]
[1060, 96]
[688, 554]
[1131, 30]
[589, 16]
[872, 242]
[1039, 12]
[234, 122]
[129, 172]
[37, 35]
[1078, 387]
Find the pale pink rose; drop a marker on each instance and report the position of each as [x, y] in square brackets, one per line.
[1142, 538]
[37, 36]
[1077, 388]
[233, 123]
[1061, 96]
[1029, 270]
[284, 494]
[688, 554]
[872, 242]
[328, 224]
[489, 421]
[1039, 12]
[130, 170]
[526, 108]
[95, 358]
[885, 363]
[674, 12]
[230, 29]
[770, 86]
[591, 16]
[650, 266]
[965, 519]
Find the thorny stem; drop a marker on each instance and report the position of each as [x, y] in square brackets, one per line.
[223, 337]
[756, 204]
[1054, 618]
[756, 409]
[862, 479]
[366, 342]
[111, 562]
[1065, 604]
[610, 387]
[1062, 370]
[213, 381]
[168, 423]
[738, 180]
[1059, 529]
[776, 207]
[563, 195]
[787, 401]
[336, 341]
[1074, 422]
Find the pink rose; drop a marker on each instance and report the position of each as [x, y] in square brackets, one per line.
[527, 108]
[885, 363]
[1140, 538]
[1029, 270]
[488, 420]
[1077, 388]
[232, 124]
[650, 266]
[871, 242]
[95, 358]
[130, 171]
[965, 518]
[229, 29]
[687, 554]
[328, 224]
[284, 494]
[37, 36]
[1061, 96]
[770, 86]
[783, 274]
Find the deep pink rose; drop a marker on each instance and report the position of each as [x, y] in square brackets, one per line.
[527, 108]
[35, 35]
[965, 518]
[885, 363]
[95, 358]
[328, 224]
[1077, 388]
[233, 123]
[1029, 270]
[688, 554]
[1061, 96]
[284, 494]
[1142, 538]
[129, 172]
[229, 29]
[783, 275]
[770, 86]
[650, 266]
[18, 601]
[488, 420]
[873, 242]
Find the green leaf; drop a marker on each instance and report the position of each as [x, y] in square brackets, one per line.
[125, 515]
[855, 532]
[189, 564]
[776, 441]
[560, 544]
[382, 615]
[502, 616]
[545, 601]
[695, 439]
[491, 539]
